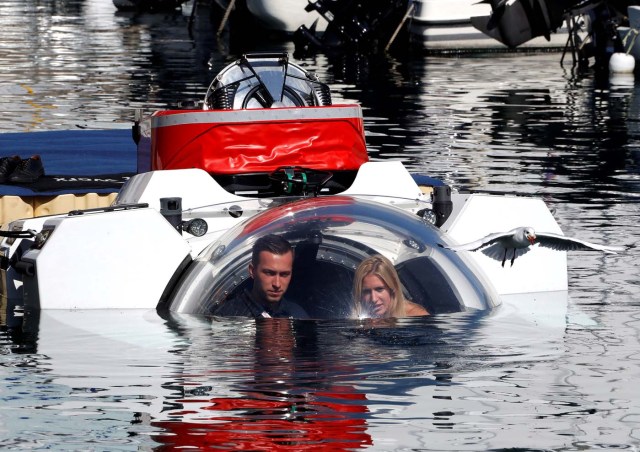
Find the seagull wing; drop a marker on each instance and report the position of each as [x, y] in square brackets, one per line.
[487, 240]
[562, 243]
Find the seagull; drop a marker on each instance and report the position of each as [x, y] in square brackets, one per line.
[520, 240]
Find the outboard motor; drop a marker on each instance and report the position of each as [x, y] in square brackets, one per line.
[353, 25]
[266, 80]
[514, 23]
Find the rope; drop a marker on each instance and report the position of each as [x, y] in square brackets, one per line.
[402, 22]
[227, 13]
[632, 31]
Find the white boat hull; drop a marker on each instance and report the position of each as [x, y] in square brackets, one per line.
[285, 15]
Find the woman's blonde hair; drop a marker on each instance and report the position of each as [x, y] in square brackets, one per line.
[381, 267]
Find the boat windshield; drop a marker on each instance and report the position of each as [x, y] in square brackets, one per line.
[331, 236]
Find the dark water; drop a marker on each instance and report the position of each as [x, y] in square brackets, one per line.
[563, 378]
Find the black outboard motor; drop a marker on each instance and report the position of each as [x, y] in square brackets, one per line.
[515, 23]
[353, 25]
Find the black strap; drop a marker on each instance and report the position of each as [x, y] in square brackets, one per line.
[29, 233]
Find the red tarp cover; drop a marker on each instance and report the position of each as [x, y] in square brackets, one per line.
[259, 140]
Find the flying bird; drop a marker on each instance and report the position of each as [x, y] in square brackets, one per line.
[519, 241]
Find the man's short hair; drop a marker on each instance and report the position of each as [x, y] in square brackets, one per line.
[272, 243]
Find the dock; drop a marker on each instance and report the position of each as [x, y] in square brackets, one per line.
[83, 169]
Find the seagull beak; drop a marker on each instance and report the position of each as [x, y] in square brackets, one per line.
[532, 239]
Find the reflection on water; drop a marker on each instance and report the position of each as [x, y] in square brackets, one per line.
[493, 126]
[130, 380]
[561, 377]
[272, 390]
[88, 66]
[189, 382]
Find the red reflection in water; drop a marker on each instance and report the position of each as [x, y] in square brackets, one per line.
[273, 413]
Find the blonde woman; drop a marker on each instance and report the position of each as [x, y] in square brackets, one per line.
[377, 291]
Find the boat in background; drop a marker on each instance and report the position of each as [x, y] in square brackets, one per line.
[437, 25]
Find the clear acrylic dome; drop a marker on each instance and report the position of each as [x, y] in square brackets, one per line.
[331, 236]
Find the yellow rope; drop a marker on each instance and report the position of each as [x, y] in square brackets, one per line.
[633, 31]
